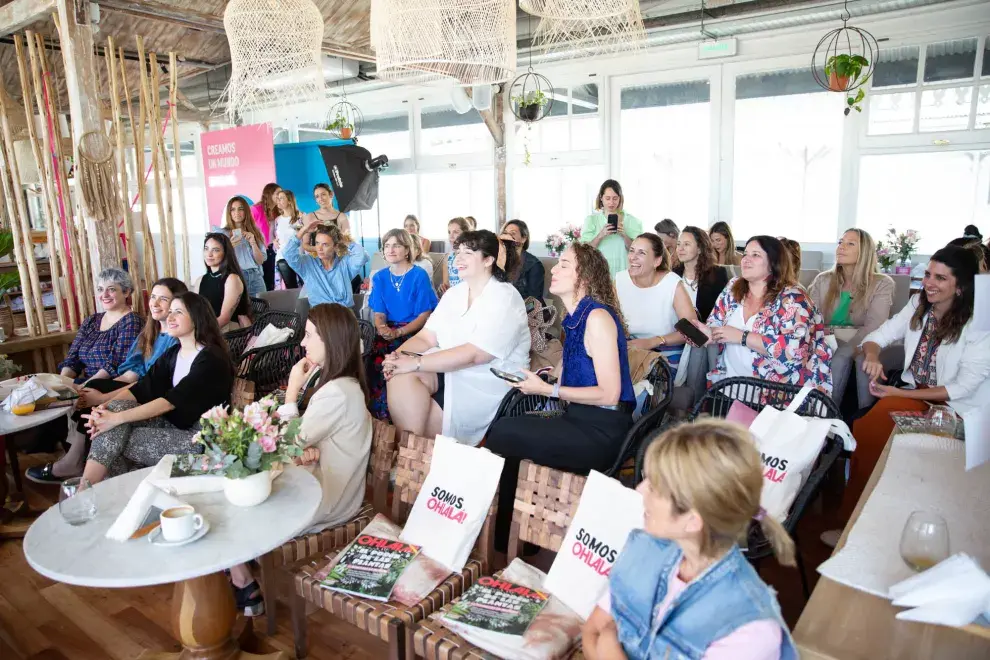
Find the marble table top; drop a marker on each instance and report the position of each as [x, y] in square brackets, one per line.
[10, 423]
[83, 555]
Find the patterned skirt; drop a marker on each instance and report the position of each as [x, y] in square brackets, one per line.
[376, 377]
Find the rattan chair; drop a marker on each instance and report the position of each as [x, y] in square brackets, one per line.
[237, 340]
[259, 306]
[391, 622]
[367, 336]
[380, 463]
[546, 501]
[268, 368]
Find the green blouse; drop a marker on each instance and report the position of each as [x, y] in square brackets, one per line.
[841, 314]
[612, 247]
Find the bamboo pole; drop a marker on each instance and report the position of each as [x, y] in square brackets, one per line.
[22, 271]
[149, 245]
[172, 99]
[133, 264]
[154, 137]
[53, 260]
[161, 161]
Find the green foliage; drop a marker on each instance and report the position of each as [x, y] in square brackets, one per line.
[7, 367]
[339, 122]
[850, 67]
[534, 97]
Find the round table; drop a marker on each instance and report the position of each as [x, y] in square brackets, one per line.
[10, 424]
[203, 603]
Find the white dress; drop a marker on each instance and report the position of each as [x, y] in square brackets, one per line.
[649, 311]
[738, 358]
[495, 323]
[283, 232]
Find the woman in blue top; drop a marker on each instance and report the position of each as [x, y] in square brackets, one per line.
[402, 299]
[338, 260]
[595, 383]
[451, 277]
[248, 242]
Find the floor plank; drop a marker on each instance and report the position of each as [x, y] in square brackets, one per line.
[108, 636]
[23, 636]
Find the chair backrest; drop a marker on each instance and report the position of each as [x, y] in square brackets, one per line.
[280, 320]
[807, 276]
[377, 263]
[902, 293]
[380, 463]
[412, 465]
[757, 394]
[551, 299]
[545, 504]
[258, 306]
[367, 336]
[812, 259]
[439, 260]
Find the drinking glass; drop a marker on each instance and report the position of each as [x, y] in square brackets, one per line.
[925, 540]
[77, 501]
[942, 421]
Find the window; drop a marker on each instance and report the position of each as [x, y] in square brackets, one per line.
[665, 133]
[547, 198]
[444, 132]
[445, 195]
[787, 157]
[573, 124]
[386, 134]
[397, 198]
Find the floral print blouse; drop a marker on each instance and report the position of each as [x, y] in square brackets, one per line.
[794, 336]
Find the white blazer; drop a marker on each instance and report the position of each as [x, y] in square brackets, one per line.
[962, 367]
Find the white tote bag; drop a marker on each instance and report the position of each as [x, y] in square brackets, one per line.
[450, 510]
[789, 445]
[606, 514]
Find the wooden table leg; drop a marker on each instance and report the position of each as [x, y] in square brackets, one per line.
[203, 617]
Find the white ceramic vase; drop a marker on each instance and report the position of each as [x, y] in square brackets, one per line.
[249, 491]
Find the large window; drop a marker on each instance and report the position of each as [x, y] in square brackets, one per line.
[387, 134]
[397, 198]
[547, 198]
[445, 133]
[787, 157]
[445, 195]
[572, 124]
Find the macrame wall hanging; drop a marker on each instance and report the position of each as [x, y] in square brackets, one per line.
[587, 27]
[97, 177]
[275, 54]
[444, 41]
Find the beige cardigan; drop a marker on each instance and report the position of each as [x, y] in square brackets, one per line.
[868, 318]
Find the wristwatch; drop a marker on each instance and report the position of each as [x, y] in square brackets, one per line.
[745, 336]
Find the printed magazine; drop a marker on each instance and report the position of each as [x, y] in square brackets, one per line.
[370, 567]
[499, 606]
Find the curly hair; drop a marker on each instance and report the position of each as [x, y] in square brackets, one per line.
[593, 275]
[704, 270]
[341, 239]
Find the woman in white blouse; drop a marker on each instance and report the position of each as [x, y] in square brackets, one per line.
[440, 380]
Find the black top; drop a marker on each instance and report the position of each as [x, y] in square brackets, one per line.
[708, 290]
[530, 280]
[208, 384]
[212, 288]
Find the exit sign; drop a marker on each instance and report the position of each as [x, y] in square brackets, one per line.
[710, 50]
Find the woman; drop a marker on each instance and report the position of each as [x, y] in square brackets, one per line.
[653, 299]
[223, 284]
[103, 339]
[288, 223]
[455, 228]
[247, 240]
[766, 328]
[420, 258]
[668, 233]
[853, 294]
[326, 213]
[411, 225]
[703, 278]
[338, 260]
[472, 223]
[613, 241]
[401, 300]
[530, 273]
[724, 244]
[446, 385]
[792, 249]
[681, 588]
[595, 382]
[160, 414]
[265, 213]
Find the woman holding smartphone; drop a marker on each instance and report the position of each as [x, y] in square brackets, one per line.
[610, 228]
[248, 243]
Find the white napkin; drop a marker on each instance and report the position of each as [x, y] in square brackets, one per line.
[29, 392]
[954, 592]
[144, 497]
[270, 336]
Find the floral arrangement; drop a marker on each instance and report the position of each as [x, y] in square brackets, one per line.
[242, 443]
[885, 256]
[904, 244]
[558, 241]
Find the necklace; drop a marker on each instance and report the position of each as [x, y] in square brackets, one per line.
[215, 275]
[397, 282]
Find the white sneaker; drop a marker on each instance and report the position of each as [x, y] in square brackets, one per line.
[831, 537]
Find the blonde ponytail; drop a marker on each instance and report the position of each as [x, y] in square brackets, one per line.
[780, 540]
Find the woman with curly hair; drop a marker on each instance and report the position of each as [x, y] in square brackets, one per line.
[595, 383]
[338, 260]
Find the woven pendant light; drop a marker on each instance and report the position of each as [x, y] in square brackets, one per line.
[587, 27]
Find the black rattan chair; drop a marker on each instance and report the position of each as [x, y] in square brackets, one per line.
[268, 367]
[237, 340]
[259, 307]
[367, 336]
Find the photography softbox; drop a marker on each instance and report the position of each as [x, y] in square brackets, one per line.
[353, 175]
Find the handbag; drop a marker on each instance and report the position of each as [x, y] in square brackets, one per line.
[541, 318]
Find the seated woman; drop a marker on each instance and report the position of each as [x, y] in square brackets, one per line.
[703, 278]
[338, 260]
[479, 324]
[595, 383]
[420, 258]
[287, 224]
[160, 414]
[401, 300]
[223, 284]
[668, 232]
[792, 249]
[653, 299]
[766, 328]
[530, 273]
[853, 294]
[411, 225]
[681, 587]
[451, 277]
[724, 244]
[248, 242]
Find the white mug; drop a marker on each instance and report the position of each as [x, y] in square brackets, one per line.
[179, 523]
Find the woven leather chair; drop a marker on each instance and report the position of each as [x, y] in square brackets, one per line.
[367, 336]
[259, 306]
[237, 340]
[380, 463]
[391, 622]
[546, 501]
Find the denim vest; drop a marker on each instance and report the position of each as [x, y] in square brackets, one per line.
[729, 594]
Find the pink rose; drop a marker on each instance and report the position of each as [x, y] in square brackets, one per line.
[268, 444]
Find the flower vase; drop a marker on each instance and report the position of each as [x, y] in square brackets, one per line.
[903, 268]
[249, 491]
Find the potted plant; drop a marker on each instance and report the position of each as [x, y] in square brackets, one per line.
[247, 447]
[529, 106]
[885, 257]
[903, 245]
[341, 124]
[844, 69]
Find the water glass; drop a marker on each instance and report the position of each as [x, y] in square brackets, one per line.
[941, 421]
[925, 540]
[77, 501]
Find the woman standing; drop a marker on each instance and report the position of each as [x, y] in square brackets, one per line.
[530, 273]
[697, 268]
[223, 284]
[338, 260]
[455, 228]
[326, 213]
[411, 225]
[265, 213]
[613, 241]
[595, 383]
[288, 223]
[247, 240]
[724, 244]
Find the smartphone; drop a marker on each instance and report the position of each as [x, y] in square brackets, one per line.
[237, 233]
[613, 219]
[686, 328]
[411, 354]
[512, 378]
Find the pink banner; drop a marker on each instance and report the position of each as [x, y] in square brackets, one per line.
[236, 161]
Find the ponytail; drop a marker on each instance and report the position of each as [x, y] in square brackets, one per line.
[506, 262]
[780, 540]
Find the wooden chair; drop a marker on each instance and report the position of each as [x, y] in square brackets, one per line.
[546, 501]
[390, 622]
[380, 464]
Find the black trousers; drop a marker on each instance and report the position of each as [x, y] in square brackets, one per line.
[102, 385]
[268, 269]
[289, 277]
[584, 438]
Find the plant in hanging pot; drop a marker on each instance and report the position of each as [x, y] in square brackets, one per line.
[343, 126]
[247, 447]
[529, 106]
[844, 70]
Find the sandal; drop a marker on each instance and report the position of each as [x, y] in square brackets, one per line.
[249, 599]
[44, 474]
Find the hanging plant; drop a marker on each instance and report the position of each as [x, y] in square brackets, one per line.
[844, 61]
[344, 120]
[530, 106]
[532, 97]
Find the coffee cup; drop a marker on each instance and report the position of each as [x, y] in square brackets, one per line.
[180, 523]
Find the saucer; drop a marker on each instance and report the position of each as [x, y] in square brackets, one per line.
[155, 537]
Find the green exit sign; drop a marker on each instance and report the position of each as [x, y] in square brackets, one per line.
[709, 50]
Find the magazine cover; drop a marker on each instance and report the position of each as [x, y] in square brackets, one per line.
[498, 605]
[370, 567]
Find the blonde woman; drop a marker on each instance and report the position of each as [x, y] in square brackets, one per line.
[681, 587]
[288, 223]
[338, 260]
[853, 294]
[419, 257]
[248, 242]
[724, 244]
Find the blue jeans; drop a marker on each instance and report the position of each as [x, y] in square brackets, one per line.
[254, 281]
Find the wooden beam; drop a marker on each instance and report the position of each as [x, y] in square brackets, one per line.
[17, 15]
[495, 121]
